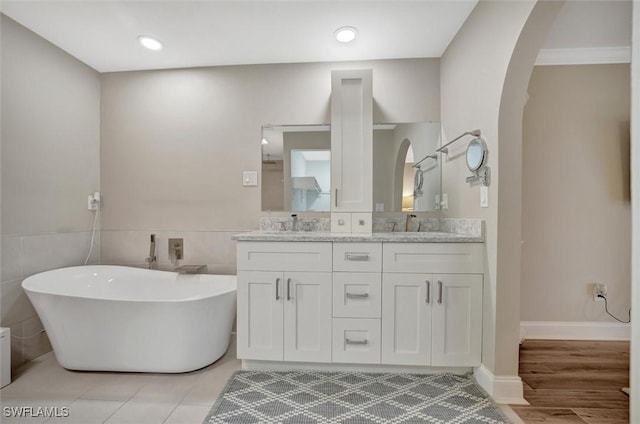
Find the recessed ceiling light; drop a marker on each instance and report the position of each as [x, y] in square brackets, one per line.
[346, 34]
[150, 42]
[264, 141]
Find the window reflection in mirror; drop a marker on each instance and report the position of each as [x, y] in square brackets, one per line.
[285, 187]
[310, 180]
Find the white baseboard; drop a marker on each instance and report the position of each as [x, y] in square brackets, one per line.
[575, 330]
[503, 389]
[256, 365]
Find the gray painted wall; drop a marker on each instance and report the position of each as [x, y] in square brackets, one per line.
[576, 206]
[175, 143]
[50, 164]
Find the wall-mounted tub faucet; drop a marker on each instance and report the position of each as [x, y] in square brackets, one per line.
[152, 252]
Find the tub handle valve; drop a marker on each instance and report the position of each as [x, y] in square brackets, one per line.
[176, 248]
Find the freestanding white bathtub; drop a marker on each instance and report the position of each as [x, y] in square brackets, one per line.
[115, 318]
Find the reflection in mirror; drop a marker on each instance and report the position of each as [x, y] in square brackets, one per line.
[411, 182]
[295, 155]
[296, 168]
[411, 142]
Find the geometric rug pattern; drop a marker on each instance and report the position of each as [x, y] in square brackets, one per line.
[312, 397]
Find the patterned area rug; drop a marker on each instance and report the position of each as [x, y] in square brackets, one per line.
[308, 397]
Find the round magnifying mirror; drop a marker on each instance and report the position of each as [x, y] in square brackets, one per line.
[476, 154]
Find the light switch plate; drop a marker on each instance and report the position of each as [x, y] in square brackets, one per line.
[250, 178]
[484, 197]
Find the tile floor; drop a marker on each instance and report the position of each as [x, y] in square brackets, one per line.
[114, 398]
[101, 397]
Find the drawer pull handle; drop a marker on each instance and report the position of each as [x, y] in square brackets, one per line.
[428, 299]
[356, 256]
[357, 295]
[277, 289]
[289, 297]
[439, 291]
[357, 342]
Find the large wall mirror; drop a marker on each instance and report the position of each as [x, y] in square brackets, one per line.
[296, 167]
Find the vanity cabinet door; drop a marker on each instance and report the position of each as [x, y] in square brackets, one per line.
[406, 319]
[457, 320]
[260, 315]
[307, 316]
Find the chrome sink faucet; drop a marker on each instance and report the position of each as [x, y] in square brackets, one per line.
[152, 252]
[294, 223]
[409, 223]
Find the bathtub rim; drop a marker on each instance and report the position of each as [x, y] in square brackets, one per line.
[42, 291]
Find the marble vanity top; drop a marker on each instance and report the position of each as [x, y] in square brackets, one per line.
[386, 237]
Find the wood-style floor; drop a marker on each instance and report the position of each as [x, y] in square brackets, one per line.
[574, 382]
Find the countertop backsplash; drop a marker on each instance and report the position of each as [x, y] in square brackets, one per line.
[382, 223]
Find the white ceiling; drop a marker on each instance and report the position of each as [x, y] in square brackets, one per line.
[206, 33]
[102, 33]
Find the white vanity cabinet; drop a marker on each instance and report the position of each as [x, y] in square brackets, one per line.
[284, 301]
[431, 314]
[352, 302]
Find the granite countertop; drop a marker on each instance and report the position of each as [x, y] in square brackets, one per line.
[397, 237]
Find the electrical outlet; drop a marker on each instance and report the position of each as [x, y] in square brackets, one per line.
[599, 289]
[93, 201]
[444, 202]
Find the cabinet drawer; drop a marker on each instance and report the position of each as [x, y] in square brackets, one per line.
[279, 256]
[433, 257]
[356, 295]
[358, 257]
[356, 340]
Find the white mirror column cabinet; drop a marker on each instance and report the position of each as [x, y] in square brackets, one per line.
[351, 151]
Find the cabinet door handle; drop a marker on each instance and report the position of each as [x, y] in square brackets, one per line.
[277, 289]
[357, 342]
[356, 257]
[336, 198]
[357, 295]
[428, 299]
[439, 291]
[289, 289]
